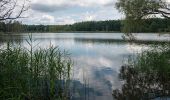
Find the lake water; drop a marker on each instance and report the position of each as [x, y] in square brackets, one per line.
[97, 57]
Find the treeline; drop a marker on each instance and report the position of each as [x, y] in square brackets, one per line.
[156, 25]
[149, 25]
[111, 25]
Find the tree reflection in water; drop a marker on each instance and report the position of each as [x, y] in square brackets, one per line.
[12, 38]
[147, 77]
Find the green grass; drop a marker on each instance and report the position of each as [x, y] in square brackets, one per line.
[41, 74]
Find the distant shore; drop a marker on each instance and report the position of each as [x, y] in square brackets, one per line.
[1, 33]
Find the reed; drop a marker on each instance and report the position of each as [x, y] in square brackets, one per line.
[40, 74]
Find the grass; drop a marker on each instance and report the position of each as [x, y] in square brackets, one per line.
[41, 74]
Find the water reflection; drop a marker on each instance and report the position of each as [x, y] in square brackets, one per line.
[111, 41]
[97, 59]
[83, 91]
[12, 38]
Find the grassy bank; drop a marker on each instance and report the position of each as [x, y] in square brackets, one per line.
[41, 74]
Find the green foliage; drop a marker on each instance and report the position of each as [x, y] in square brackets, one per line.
[146, 76]
[156, 60]
[136, 11]
[130, 25]
[145, 25]
[41, 74]
[112, 25]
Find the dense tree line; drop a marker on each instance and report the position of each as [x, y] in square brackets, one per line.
[148, 25]
[111, 25]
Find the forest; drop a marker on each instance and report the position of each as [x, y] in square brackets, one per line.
[148, 25]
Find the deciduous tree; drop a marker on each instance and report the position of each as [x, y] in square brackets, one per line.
[12, 9]
[137, 10]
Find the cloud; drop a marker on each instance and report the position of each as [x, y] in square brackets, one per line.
[89, 17]
[65, 20]
[47, 8]
[70, 11]
[47, 19]
[60, 5]
[39, 18]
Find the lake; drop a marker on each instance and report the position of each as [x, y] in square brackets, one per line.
[97, 57]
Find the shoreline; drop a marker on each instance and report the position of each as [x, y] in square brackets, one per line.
[3, 33]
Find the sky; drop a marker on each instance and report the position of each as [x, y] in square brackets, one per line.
[60, 12]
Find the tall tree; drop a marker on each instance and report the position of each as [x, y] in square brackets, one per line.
[12, 9]
[136, 10]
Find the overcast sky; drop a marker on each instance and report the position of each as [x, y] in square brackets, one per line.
[70, 11]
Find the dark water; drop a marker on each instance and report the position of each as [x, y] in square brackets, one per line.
[97, 57]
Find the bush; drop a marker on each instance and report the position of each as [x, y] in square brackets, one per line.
[147, 76]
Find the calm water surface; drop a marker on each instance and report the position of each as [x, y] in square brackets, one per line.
[97, 58]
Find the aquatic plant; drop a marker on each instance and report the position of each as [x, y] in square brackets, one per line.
[147, 76]
[34, 74]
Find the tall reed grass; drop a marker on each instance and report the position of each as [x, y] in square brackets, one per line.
[41, 74]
